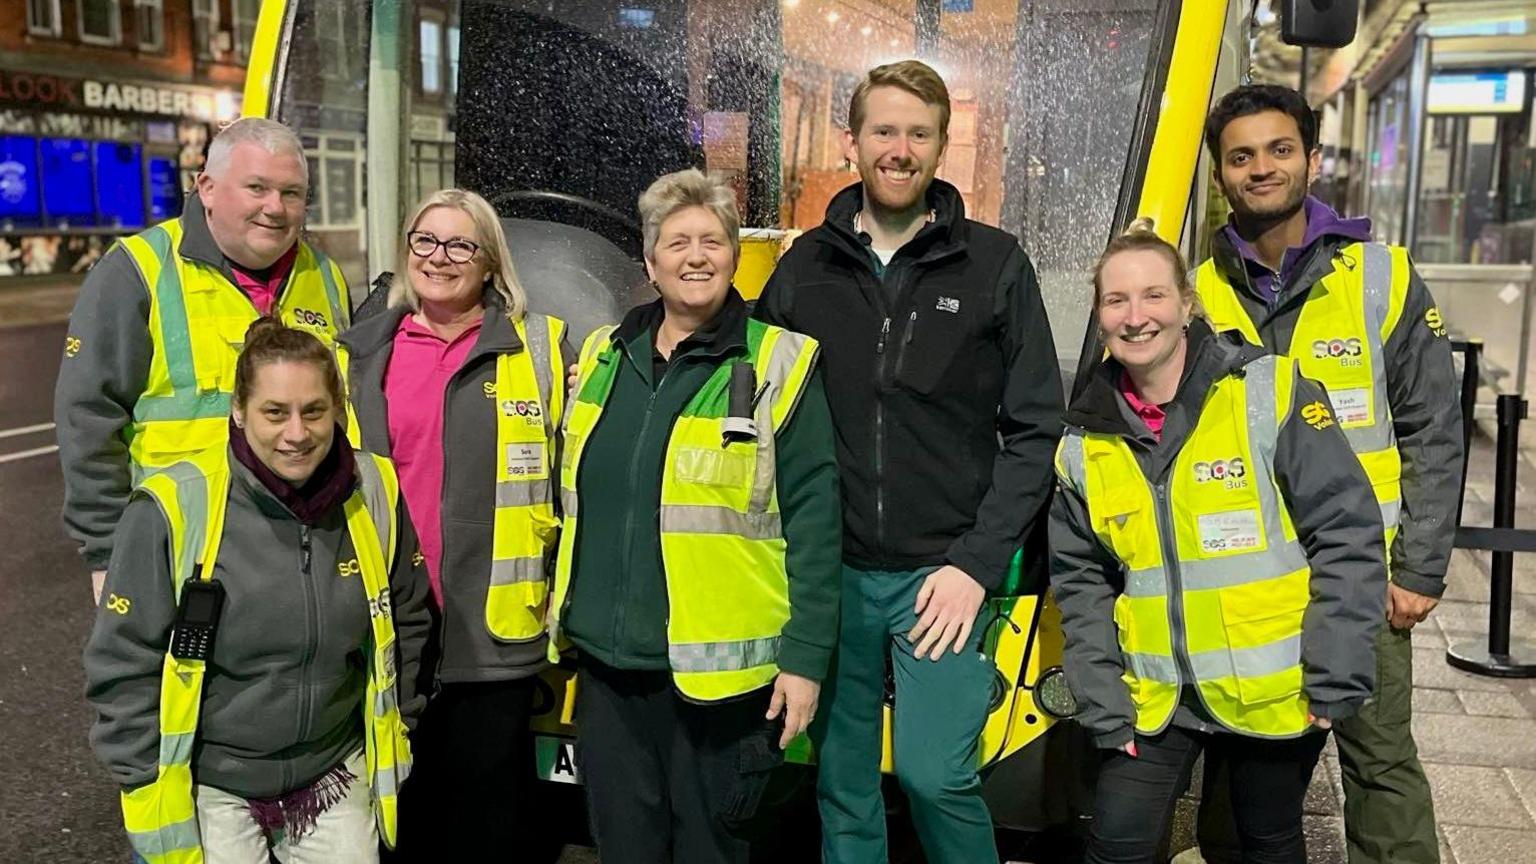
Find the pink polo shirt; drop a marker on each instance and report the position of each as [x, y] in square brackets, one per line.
[263, 292]
[1150, 414]
[415, 382]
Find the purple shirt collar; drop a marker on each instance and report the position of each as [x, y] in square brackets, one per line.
[1322, 221]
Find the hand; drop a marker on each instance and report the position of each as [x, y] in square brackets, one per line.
[98, 582]
[1406, 608]
[1129, 749]
[947, 605]
[572, 372]
[796, 698]
[1319, 722]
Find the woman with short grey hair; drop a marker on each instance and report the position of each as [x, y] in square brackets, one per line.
[697, 575]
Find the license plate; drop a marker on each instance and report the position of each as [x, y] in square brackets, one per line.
[556, 759]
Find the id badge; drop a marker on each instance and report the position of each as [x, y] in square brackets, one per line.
[1229, 531]
[525, 460]
[1351, 407]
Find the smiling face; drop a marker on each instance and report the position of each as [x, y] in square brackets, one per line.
[452, 273]
[1265, 170]
[693, 262]
[289, 418]
[897, 148]
[1140, 311]
[256, 205]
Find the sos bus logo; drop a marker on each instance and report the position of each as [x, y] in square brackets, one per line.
[1346, 351]
[529, 410]
[311, 319]
[1230, 471]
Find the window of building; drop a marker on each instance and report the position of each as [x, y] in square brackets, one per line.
[205, 25]
[453, 59]
[69, 192]
[432, 166]
[43, 17]
[20, 201]
[119, 184]
[335, 180]
[430, 49]
[164, 190]
[101, 21]
[246, 12]
[150, 16]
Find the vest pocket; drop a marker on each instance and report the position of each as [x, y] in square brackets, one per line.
[516, 612]
[731, 468]
[1263, 631]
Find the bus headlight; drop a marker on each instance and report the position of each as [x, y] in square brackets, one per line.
[1053, 695]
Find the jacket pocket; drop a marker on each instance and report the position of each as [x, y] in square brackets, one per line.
[927, 344]
[1263, 633]
[722, 467]
[515, 612]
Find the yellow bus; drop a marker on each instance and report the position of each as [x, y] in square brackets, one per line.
[1070, 118]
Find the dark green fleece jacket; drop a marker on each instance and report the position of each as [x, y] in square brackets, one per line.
[617, 607]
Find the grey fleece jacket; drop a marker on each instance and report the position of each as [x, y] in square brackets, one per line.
[106, 364]
[282, 700]
[1331, 505]
[468, 652]
[1422, 388]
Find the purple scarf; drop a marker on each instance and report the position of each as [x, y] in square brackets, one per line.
[332, 482]
[296, 812]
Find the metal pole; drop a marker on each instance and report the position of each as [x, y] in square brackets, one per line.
[1418, 116]
[1501, 656]
[1506, 466]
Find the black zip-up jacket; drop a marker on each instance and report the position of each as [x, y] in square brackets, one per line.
[1421, 390]
[946, 402]
[1331, 505]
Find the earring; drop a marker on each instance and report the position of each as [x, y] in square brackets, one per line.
[1186, 327]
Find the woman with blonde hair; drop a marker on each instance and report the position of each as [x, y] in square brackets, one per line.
[1216, 552]
[462, 386]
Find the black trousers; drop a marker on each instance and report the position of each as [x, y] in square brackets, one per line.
[470, 794]
[1136, 796]
[669, 780]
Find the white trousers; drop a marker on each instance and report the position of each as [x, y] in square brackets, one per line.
[344, 834]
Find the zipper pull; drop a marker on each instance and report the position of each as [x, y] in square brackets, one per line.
[304, 546]
[911, 325]
[885, 330]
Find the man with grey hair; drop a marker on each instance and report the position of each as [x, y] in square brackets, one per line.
[150, 354]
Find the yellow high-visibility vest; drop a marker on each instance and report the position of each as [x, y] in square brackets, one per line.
[161, 817]
[530, 403]
[197, 322]
[1216, 582]
[1339, 340]
[722, 542]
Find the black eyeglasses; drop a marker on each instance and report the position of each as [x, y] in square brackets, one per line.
[423, 245]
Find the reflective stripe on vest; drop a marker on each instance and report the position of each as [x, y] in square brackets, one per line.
[197, 323]
[529, 407]
[1216, 580]
[161, 817]
[718, 514]
[1339, 340]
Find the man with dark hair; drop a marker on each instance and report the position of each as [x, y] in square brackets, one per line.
[1292, 275]
[945, 397]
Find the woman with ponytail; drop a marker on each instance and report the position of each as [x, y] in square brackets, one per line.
[1217, 558]
[253, 666]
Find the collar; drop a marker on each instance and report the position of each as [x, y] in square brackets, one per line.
[858, 226]
[944, 234]
[334, 478]
[376, 333]
[724, 333]
[1101, 407]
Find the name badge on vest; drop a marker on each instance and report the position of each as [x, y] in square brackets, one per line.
[525, 459]
[1229, 531]
[1352, 407]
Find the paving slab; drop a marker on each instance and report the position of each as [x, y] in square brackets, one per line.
[1488, 704]
[1524, 782]
[1495, 742]
[1323, 798]
[1325, 839]
[1472, 795]
[1433, 701]
[1431, 670]
[1480, 845]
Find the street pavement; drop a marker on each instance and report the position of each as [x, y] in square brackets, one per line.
[1477, 735]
